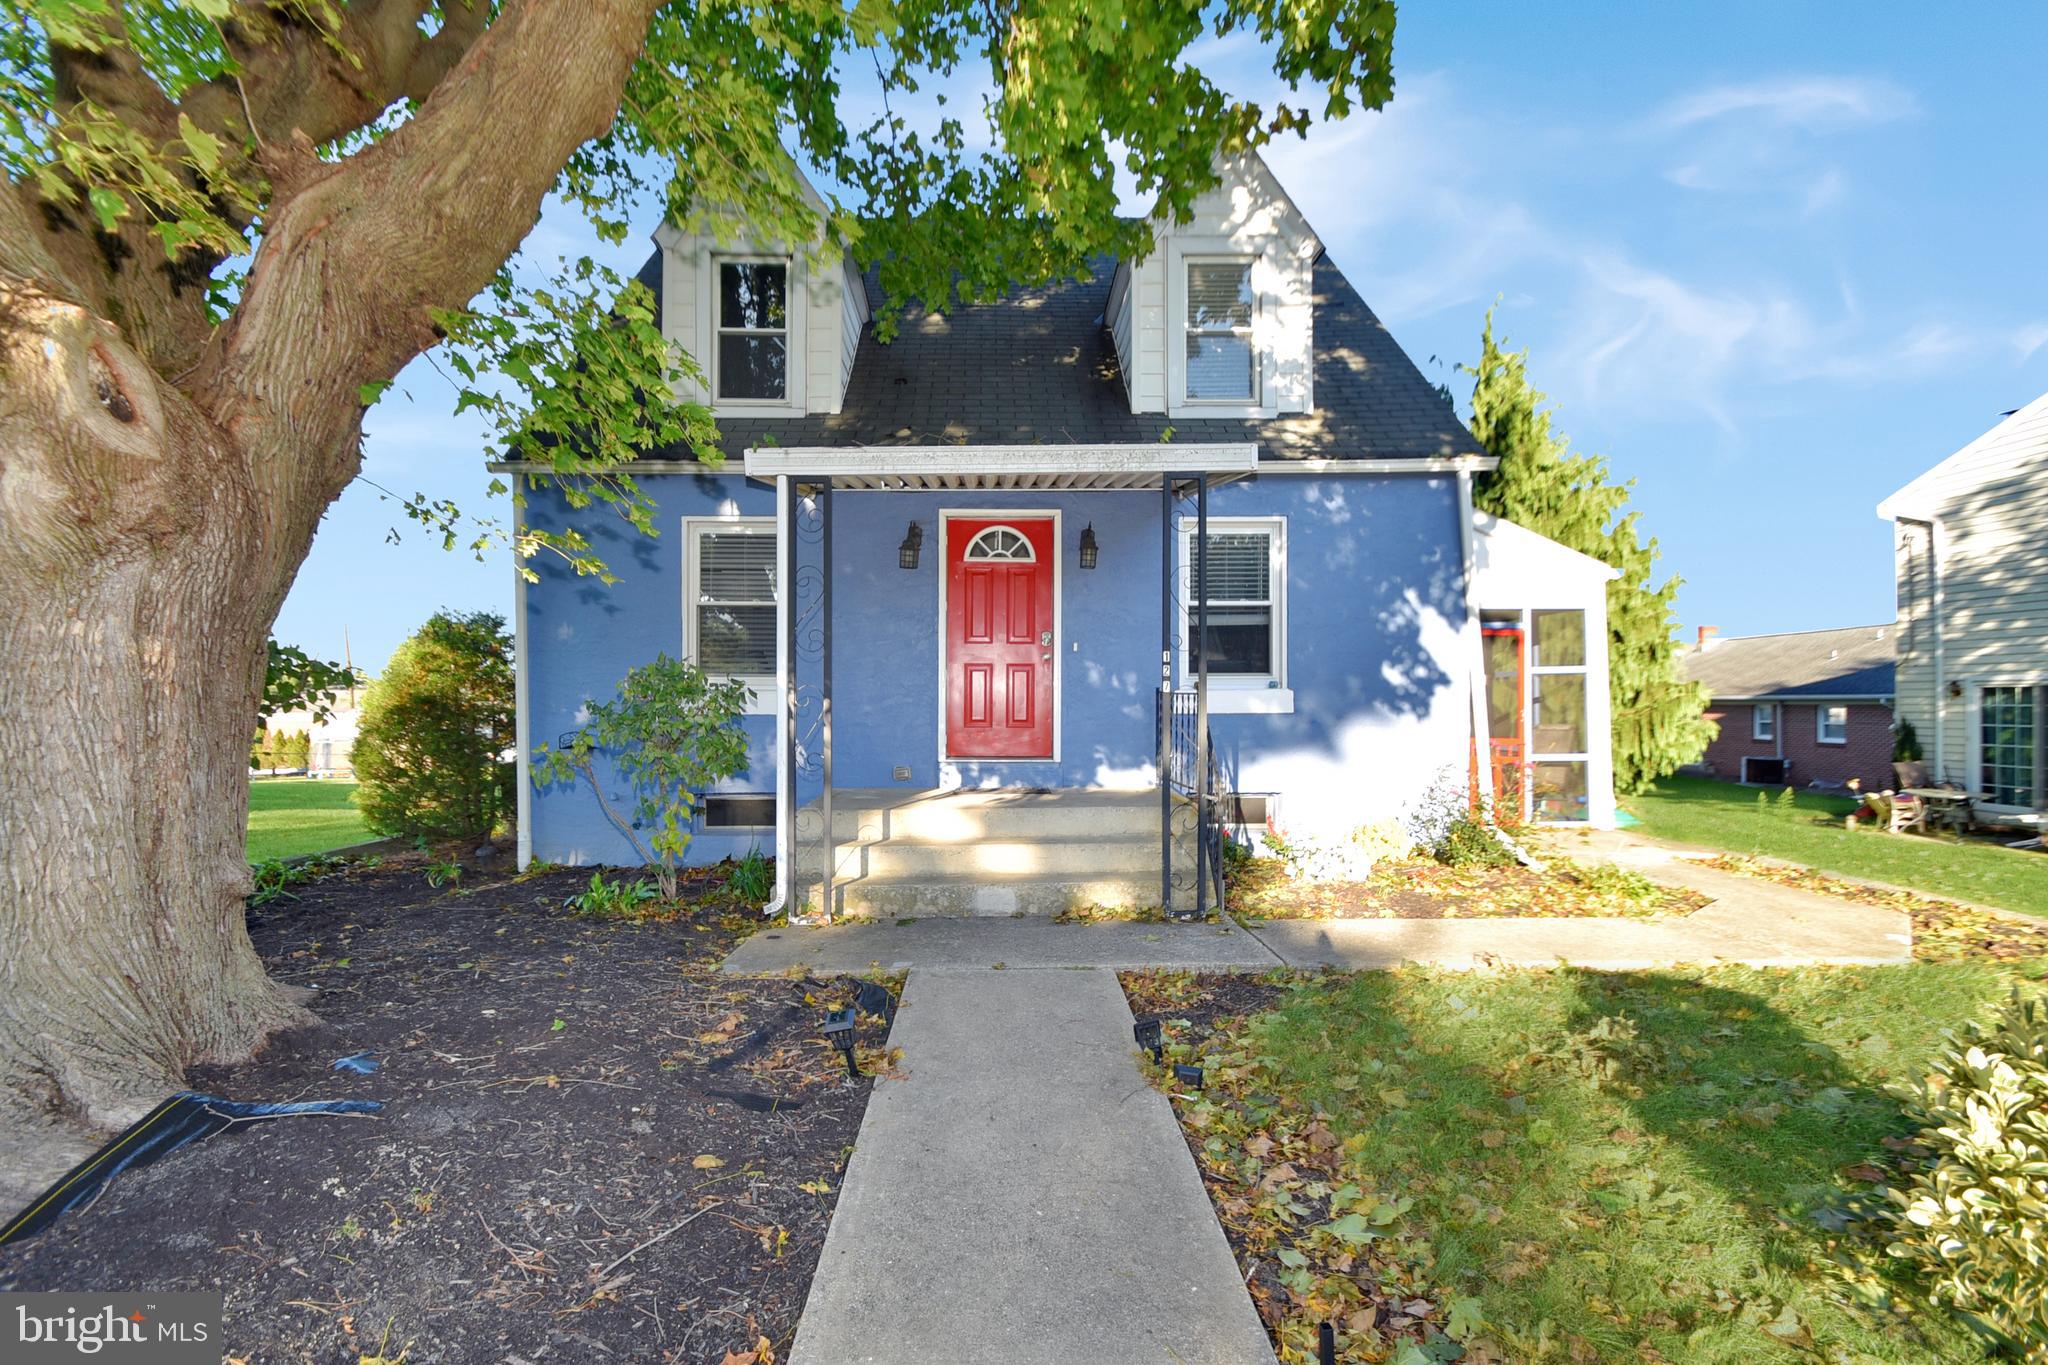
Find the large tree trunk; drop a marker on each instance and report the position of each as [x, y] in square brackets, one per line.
[142, 575]
[160, 483]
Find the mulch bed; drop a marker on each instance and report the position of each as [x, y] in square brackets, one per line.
[593, 1146]
[1943, 931]
[1420, 888]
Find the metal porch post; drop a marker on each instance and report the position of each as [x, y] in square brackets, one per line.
[785, 844]
[1201, 782]
[1166, 693]
[825, 695]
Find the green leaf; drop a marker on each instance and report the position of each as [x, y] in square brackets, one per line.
[204, 146]
[1353, 1230]
[108, 206]
[1466, 1320]
[368, 394]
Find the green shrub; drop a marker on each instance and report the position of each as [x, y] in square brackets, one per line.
[294, 750]
[1453, 828]
[752, 879]
[1906, 744]
[1975, 1221]
[613, 899]
[673, 732]
[436, 729]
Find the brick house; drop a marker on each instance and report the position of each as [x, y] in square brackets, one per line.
[1808, 708]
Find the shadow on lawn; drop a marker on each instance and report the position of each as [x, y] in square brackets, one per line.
[1618, 1161]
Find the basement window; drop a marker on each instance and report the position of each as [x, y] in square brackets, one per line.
[750, 811]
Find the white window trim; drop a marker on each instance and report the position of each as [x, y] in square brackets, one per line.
[797, 279]
[1265, 318]
[1820, 723]
[1240, 693]
[765, 687]
[1761, 729]
[1251, 331]
[1974, 718]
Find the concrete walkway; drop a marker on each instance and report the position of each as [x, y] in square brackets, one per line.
[1021, 1195]
[1022, 941]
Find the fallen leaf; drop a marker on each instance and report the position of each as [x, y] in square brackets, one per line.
[707, 1162]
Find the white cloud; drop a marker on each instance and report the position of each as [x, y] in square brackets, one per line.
[2029, 338]
[1806, 101]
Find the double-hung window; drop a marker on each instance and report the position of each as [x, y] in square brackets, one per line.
[1763, 721]
[1222, 362]
[1246, 643]
[729, 610]
[2009, 745]
[1831, 724]
[751, 354]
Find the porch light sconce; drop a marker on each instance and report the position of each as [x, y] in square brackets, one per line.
[1088, 547]
[1955, 689]
[838, 1030]
[906, 553]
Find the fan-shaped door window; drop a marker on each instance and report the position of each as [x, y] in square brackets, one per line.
[999, 543]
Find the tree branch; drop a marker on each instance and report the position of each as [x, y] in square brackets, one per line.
[358, 258]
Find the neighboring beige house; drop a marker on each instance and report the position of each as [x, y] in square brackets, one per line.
[1971, 557]
[330, 740]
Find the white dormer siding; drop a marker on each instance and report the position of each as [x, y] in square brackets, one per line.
[1246, 221]
[825, 312]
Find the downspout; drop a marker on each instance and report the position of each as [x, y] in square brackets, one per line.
[1936, 612]
[1482, 751]
[522, 696]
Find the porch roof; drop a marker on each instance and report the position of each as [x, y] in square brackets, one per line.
[1128, 466]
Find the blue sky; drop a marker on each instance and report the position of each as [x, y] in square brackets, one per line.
[1771, 260]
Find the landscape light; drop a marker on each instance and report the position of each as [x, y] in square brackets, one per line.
[1146, 1031]
[839, 1031]
[1188, 1075]
[874, 998]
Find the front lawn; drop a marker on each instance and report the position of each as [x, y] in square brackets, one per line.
[291, 816]
[1570, 1165]
[594, 1146]
[1692, 810]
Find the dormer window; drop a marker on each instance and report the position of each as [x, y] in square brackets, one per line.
[1223, 365]
[752, 355]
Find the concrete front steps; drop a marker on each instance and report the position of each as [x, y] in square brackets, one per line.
[904, 854]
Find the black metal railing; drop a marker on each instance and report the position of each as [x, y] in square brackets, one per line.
[1197, 778]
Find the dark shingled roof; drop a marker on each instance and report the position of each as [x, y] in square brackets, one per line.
[1855, 661]
[1039, 366]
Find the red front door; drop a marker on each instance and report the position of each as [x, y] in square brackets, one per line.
[999, 642]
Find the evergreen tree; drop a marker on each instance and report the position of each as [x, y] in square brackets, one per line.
[1659, 717]
[436, 729]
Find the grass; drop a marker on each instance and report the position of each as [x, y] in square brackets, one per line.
[290, 816]
[1722, 815]
[1676, 1183]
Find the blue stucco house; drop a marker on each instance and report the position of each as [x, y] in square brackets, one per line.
[964, 573]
